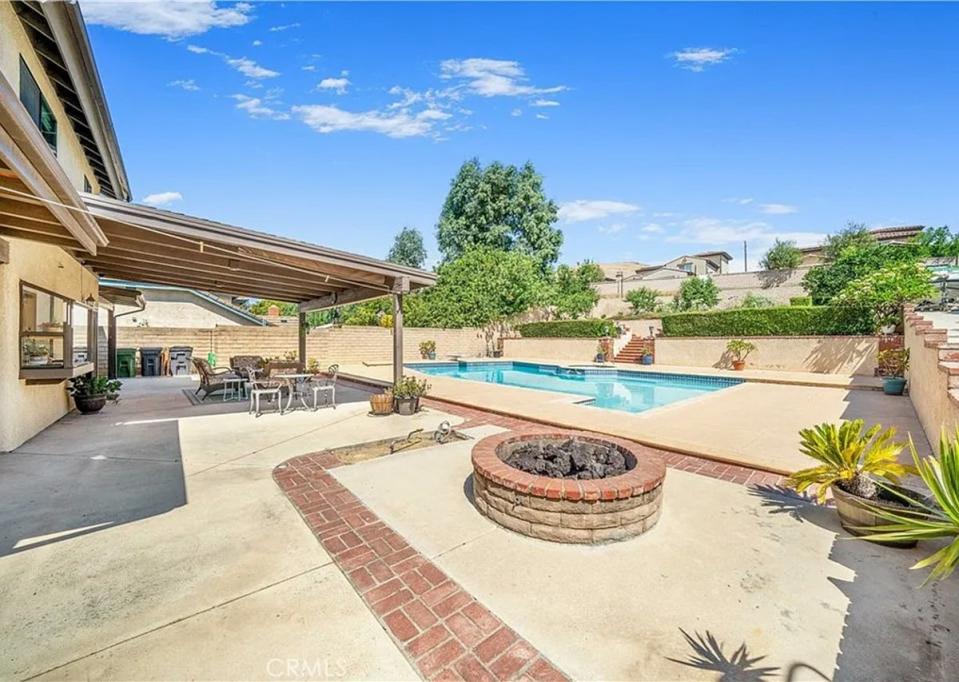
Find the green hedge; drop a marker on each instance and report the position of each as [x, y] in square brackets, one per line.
[778, 321]
[568, 329]
[800, 300]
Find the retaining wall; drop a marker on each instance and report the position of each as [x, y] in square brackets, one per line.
[931, 366]
[344, 345]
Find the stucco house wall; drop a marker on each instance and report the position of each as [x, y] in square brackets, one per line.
[26, 410]
[930, 357]
[16, 44]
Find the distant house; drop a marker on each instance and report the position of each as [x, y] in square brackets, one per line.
[813, 255]
[706, 263]
[170, 306]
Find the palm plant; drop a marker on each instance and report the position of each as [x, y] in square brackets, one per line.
[850, 459]
[931, 518]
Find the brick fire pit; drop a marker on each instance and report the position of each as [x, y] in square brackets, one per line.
[564, 509]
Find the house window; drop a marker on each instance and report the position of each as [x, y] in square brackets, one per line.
[686, 267]
[37, 106]
[55, 333]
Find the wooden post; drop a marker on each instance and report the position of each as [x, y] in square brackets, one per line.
[111, 345]
[397, 338]
[301, 349]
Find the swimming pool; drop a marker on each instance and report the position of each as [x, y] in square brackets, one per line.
[611, 389]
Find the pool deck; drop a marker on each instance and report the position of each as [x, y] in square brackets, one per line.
[754, 424]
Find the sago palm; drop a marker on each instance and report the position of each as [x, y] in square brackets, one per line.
[928, 519]
[850, 458]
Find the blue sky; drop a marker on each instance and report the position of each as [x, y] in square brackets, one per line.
[659, 129]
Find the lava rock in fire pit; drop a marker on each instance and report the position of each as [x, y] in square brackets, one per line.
[571, 458]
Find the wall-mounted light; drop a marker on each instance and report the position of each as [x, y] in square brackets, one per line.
[89, 300]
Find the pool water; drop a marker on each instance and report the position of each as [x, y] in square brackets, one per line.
[611, 389]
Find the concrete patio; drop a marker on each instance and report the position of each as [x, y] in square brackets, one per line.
[151, 542]
[754, 424]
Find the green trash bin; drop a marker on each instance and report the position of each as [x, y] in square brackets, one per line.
[126, 362]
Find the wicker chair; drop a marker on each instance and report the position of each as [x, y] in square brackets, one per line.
[242, 364]
[212, 379]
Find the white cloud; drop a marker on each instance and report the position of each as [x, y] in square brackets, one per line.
[740, 201]
[492, 77]
[161, 198]
[257, 43]
[698, 58]
[398, 124]
[651, 228]
[258, 108]
[284, 27]
[544, 103]
[611, 229]
[542, 116]
[777, 209]
[247, 67]
[516, 112]
[250, 68]
[308, 67]
[169, 19]
[711, 232]
[337, 85]
[582, 210]
[185, 84]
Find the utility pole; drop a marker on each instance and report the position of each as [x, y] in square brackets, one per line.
[745, 258]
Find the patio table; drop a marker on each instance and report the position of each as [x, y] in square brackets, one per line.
[295, 382]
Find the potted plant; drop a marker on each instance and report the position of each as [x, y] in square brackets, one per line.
[894, 362]
[407, 393]
[934, 517]
[647, 358]
[739, 349]
[90, 392]
[850, 462]
[428, 350]
[382, 403]
[36, 352]
[600, 353]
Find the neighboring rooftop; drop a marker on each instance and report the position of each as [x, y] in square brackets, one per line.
[894, 233]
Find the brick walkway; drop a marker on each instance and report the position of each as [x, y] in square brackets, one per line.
[445, 632]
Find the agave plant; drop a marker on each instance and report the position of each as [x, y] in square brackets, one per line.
[850, 459]
[927, 520]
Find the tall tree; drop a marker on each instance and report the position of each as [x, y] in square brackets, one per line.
[854, 235]
[783, 255]
[499, 207]
[408, 248]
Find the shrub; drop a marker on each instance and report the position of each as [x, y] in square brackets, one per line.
[886, 290]
[778, 321]
[567, 329]
[642, 300]
[800, 300]
[697, 293]
[752, 300]
[740, 348]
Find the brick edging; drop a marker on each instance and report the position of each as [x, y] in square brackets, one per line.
[443, 630]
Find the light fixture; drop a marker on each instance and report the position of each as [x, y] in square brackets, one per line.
[89, 300]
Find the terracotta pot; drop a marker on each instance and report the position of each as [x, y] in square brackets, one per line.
[739, 365]
[90, 404]
[381, 403]
[856, 517]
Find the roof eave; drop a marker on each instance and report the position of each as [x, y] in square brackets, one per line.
[69, 29]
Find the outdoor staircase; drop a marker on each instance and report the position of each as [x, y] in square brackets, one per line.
[633, 350]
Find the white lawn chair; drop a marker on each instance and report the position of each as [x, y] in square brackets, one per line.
[263, 387]
[327, 386]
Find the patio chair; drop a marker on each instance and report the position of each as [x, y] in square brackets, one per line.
[212, 379]
[241, 364]
[260, 387]
[327, 385]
